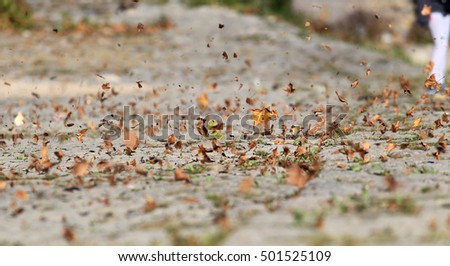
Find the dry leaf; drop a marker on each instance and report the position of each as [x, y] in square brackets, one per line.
[417, 122]
[411, 111]
[354, 83]
[180, 175]
[426, 10]
[429, 67]
[368, 71]
[68, 234]
[390, 147]
[150, 204]
[140, 27]
[21, 194]
[431, 82]
[341, 99]
[246, 185]
[290, 88]
[130, 139]
[263, 116]
[81, 168]
[405, 84]
[171, 139]
[202, 101]
[225, 55]
[19, 120]
[80, 134]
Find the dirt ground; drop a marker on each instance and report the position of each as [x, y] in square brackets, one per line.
[379, 177]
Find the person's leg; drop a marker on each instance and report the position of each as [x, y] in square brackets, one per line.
[440, 27]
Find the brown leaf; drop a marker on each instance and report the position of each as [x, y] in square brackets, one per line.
[225, 55]
[405, 84]
[106, 86]
[68, 234]
[368, 71]
[431, 82]
[80, 134]
[341, 99]
[107, 144]
[180, 175]
[354, 83]
[35, 139]
[131, 139]
[59, 154]
[21, 194]
[390, 147]
[150, 204]
[426, 10]
[81, 169]
[429, 67]
[411, 111]
[171, 139]
[290, 88]
[246, 185]
[140, 27]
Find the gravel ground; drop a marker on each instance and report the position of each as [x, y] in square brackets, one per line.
[394, 192]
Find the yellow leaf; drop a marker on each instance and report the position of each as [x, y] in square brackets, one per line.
[417, 122]
[263, 116]
[202, 101]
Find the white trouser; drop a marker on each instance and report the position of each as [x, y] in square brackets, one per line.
[440, 28]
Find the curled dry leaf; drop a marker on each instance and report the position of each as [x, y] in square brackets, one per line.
[354, 83]
[180, 175]
[368, 72]
[405, 84]
[225, 55]
[341, 99]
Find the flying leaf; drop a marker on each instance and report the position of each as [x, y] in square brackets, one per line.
[426, 10]
[354, 83]
[341, 99]
[131, 139]
[431, 82]
[202, 101]
[80, 134]
[290, 88]
[263, 116]
[405, 84]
